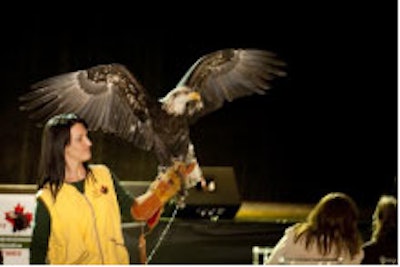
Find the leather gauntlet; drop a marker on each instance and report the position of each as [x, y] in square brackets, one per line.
[148, 207]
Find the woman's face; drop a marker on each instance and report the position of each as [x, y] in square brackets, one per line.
[79, 148]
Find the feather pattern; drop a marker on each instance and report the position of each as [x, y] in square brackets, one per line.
[228, 74]
[110, 98]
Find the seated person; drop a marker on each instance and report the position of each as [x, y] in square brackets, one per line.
[382, 247]
[329, 235]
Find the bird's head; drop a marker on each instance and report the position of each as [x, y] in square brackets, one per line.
[182, 101]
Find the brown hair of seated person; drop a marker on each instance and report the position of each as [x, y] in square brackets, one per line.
[382, 247]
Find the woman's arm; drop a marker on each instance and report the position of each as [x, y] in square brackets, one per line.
[125, 199]
[41, 233]
[148, 206]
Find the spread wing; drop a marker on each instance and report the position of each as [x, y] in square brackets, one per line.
[108, 97]
[228, 74]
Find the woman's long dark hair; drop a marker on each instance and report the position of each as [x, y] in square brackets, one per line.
[56, 135]
[333, 223]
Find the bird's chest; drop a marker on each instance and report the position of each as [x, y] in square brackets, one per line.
[173, 131]
[171, 127]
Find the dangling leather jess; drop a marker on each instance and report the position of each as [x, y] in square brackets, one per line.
[149, 206]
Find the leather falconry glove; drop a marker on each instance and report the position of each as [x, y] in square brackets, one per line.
[149, 206]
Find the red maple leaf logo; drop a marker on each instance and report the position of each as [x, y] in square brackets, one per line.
[18, 218]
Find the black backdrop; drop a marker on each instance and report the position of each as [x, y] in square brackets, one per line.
[331, 125]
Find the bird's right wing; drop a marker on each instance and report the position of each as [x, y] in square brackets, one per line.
[227, 74]
[108, 97]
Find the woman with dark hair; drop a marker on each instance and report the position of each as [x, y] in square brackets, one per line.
[329, 235]
[382, 247]
[80, 206]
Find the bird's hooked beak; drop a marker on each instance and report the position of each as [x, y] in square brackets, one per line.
[194, 96]
[182, 100]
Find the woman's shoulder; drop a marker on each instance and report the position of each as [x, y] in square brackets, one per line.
[290, 230]
[99, 168]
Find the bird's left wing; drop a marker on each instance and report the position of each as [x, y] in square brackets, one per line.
[108, 97]
[228, 74]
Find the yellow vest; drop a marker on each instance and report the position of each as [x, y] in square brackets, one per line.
[86, 228]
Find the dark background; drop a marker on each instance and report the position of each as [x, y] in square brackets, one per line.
[330, 125]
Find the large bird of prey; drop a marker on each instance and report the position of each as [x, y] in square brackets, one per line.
[111, 99]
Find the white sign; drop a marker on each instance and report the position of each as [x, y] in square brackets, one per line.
[16, 225]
